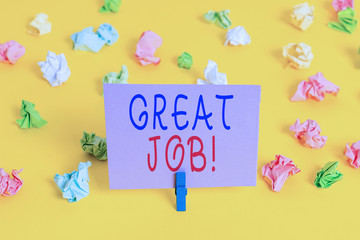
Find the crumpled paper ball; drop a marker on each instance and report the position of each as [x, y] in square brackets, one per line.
[94, 145]
[298, 56]
[308, 133]
[11, 51]
[10, 186]
[40, 25]
[347, 21]
[315, 88]
[237, 36]
[352, 154]
[117, 78]
[55, 69]
[340, 5]
[88, 40]
[30, 117]
[276, 172]
[328, 175]
[111, 6]
[75, 185]
[212, 75]
[219, 18]
[146, 47]
[302, 16]
[185, 60]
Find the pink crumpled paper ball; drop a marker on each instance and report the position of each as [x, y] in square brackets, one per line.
[146, 47]
[11, 51]
[340, 5]
[276, 172]
[308, 133]
[315, 88]
[10, 186]
[353, 154]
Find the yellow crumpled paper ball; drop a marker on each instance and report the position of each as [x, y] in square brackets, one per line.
[302, 16]
[40, 25]
[298, 56]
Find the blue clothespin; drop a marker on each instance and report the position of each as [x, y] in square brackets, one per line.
[180, 191]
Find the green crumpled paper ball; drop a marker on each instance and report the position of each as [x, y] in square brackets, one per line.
[328, 175]
[185, 60]
[94, 145]
[30, 117]
[111, 6]
[220, 18]
[347, 20]
[117, 78]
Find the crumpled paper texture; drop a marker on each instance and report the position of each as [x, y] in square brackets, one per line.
[111, 6]
[328, 175]
[302, 16]
[87, 40]
[212, 75]
[315, 88]
[55, 68]
[94, 145]
[117, 78]
[75, 185]
[10, 186]
[352, 154]
[220, 18]
[30, 117]
[185, 60]
[347, 22]
[146, 47]
[237, 36]
[298, 56]
[340, 5]
[11, 51]
[40, 25]
[308, 133]
[276, 172]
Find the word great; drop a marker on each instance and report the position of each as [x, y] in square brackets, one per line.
[157, 111]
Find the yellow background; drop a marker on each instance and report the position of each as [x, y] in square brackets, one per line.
[299, 211]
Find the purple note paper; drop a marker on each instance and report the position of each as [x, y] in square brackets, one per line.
[208, 131]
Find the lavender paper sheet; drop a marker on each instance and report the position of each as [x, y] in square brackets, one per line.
[230, 147]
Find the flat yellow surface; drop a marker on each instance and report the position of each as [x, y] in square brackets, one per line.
[299, 211]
